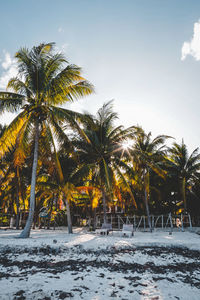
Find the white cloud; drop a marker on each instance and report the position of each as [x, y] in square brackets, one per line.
[193, 47]
[7, 61]
[10, 70]
[60, 29]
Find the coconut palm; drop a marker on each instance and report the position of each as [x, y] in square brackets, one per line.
[147, 156]
[45, 80]
[99, 150]
[50, 188]
[184, 168]
[93, 195]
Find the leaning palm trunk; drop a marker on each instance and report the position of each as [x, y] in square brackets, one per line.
[26, 232]
[69, 220]
[104, 205]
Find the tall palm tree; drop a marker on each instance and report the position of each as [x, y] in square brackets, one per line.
[184, 168]
[148, 156]
[99, 150]
[45, 80]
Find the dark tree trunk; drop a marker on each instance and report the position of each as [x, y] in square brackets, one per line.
[17, 199]
[104, 205]
[94, 219]
[146, 202]
[147, 210]
[183, 192]
[49, 215]
[17, 203]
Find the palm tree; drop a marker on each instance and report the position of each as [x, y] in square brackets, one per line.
[147, 157]
[99, 150]
[93, 194]
[45, 81]
[50, 187]
[184, 168]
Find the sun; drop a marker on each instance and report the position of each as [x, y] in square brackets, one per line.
[127, 144]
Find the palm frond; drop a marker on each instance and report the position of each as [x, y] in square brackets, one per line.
[125, 182]
[8, 139]
[10, 102]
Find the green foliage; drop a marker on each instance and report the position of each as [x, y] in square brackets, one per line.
[93, 163]
[45, 80]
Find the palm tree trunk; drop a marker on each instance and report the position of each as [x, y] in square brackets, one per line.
[94, 218]
[49, 216]
[69, 220]
[184, 195]
[26, 232]
[146, 203]
[104, 205]
[147, 210]
[17, 217]
[17, 200]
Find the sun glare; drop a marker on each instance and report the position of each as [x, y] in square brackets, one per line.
[127, 144]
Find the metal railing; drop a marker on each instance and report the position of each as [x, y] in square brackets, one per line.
[167, 221]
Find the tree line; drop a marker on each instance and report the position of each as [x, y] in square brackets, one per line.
[50, 155]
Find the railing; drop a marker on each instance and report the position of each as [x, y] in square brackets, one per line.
[167, 221]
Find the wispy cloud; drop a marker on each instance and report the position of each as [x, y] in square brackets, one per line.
[60, 29]
[7, 61]
[193, 47]
[9, 70]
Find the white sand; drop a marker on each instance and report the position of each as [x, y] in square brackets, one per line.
[99, 283]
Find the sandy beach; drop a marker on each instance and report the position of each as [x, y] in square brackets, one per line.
[56, 265]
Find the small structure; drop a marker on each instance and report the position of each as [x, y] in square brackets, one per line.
[43, 217]
[127, 230]
[105, 229]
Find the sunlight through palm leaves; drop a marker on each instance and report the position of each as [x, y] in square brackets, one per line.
[45, 80]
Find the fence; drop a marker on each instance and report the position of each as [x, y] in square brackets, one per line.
[167, 221]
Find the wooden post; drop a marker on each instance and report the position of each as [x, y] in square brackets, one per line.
[140, 221]
[171, 224]
[156, 221]
[118, 223]
[182, 227]
[167, 221]
[153, 222]
[190, 221]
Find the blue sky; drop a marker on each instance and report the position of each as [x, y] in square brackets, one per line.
[129, 49]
